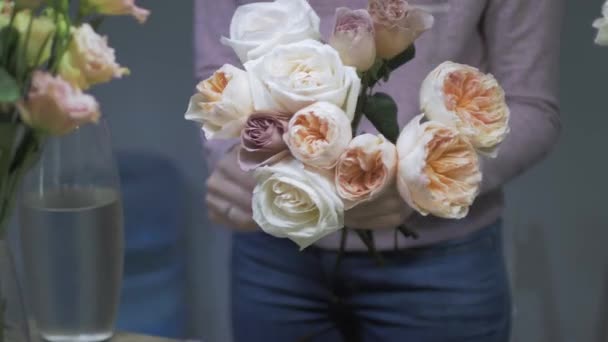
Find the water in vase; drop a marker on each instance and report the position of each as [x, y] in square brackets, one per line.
[73, 251]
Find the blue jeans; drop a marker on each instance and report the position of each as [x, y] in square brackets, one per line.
[452, 291]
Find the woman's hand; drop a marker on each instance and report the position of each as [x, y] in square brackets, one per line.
[386, 212]
[229, 192]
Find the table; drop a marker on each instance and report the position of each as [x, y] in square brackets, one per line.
[124, 337]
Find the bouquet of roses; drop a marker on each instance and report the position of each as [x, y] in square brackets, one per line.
[298, 102]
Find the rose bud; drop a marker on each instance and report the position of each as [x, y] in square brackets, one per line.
[397, 25]
[462, 97]
[353, 37]
[262, 140]
[438, 171]
[366, 169]
[318, 134]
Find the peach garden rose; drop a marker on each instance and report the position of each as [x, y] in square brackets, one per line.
[222, 103]
[366, 169]
[318, 134]
[463, 97]
[438, 171]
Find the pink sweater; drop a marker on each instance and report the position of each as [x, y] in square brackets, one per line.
[516, 40]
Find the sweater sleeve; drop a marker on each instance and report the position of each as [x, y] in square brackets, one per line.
[523, 42]
[211, 22]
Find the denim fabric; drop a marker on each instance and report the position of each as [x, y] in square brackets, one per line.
[452, 291]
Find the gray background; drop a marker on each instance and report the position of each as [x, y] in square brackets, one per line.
[557, 223]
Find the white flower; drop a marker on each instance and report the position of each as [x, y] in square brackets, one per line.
[366, 169]
[297, 75]
[292, 202]
[318, 134]
[258, 27]
[222, 104]
[438, 171]
[601, 25]
[462, 97]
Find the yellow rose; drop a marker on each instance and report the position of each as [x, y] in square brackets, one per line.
[89, 60]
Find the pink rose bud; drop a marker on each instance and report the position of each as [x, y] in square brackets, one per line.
[120, 7]
[354, 38]
[55, 107]
[397, 25]
[262, 140]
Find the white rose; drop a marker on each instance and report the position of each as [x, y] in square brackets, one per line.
[222, 104]
[463, 97]
[601, 25]
[438, 170]
[258, 27]
[297, 75]
[292, 202]
[318, 134]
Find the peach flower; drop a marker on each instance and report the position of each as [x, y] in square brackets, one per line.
[318, 134]
[366, 169]
[438, 171]
[462, 97]
[222, 103]
[55, 107]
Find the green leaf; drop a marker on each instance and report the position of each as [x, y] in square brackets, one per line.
[9, 88]
[402, 58]
[381, 110]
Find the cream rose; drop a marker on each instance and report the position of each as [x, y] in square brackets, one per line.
[89, 60]
[318, 134]
[258, 27]
[461, 96]
[222, 104]
[292, 202]
[438, 171]
[297, 75]
[53, 106]
[601, 25]
[366, 169]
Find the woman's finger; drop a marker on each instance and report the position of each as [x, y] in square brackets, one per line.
[231, 193]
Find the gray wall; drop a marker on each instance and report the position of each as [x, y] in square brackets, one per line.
[556, 220]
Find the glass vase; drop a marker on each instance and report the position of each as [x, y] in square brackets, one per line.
[71, 221]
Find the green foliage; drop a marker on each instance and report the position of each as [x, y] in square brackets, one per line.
[9, 88]
[381, 110]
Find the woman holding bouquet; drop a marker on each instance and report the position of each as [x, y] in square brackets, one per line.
[449, 284]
